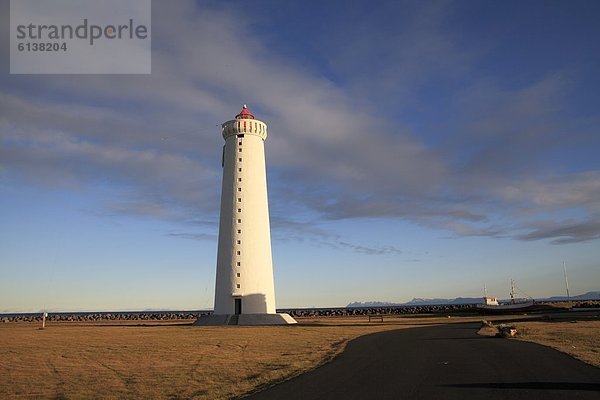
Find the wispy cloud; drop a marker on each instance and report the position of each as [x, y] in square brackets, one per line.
[193, 236]
[336, 149]
[288, 230]
[369, 250]
[564, 232]
[334, 242]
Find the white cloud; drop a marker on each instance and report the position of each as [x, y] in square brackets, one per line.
[330, 153]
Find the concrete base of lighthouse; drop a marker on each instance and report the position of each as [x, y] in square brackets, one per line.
[245, 319]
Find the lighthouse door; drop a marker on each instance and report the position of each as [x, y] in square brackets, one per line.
[238, 306]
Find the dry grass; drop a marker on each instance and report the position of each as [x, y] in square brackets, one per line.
[127, 361]
[581, 339]
[131, 361]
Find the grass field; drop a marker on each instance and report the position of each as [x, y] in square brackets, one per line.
[581, 339]
[130, 361]
[73, 361]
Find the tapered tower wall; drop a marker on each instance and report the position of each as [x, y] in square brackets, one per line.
[244, 261]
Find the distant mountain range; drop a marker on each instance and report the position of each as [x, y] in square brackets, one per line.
[586, 296]
[595, 295]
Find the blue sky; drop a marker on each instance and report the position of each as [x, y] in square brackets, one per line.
[416, 149]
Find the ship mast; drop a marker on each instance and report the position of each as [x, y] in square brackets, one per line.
[512, 291]
[566, 281]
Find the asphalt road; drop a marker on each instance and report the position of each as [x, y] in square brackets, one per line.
[445, 362]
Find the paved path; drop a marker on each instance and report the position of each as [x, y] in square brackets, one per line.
[445, 362]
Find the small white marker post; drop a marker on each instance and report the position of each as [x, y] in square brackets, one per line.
[44, 315]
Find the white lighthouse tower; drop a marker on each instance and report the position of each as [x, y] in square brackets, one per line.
[244, 290]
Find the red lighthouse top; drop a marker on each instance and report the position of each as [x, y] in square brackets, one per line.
[244, 114]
